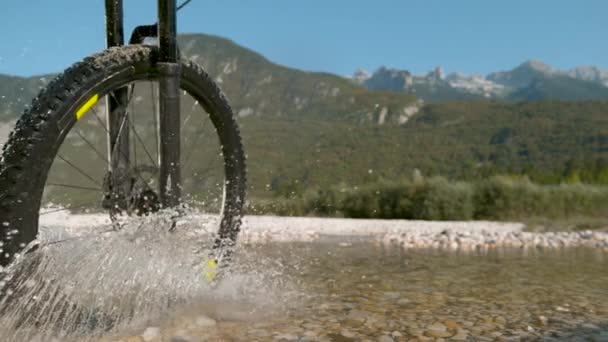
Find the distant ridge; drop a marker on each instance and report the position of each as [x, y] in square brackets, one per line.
[532, 80]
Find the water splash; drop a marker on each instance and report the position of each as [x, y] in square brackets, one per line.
[82, 285]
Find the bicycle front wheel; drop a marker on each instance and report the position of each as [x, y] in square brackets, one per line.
[90, 143]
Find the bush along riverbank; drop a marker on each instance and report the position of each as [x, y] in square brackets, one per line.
[496, 198]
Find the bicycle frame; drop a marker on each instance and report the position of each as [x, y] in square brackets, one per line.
[169, 99]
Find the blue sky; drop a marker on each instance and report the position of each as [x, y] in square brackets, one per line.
[472, 36]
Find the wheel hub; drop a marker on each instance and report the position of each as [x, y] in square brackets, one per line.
[127, 191]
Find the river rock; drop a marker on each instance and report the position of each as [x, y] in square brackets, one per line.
[288, 337]
[133, 339]
[450, 324]
[542, 321]
[391, 295]
[181, 339]
[347, 333]
[385, 338]
[151, 334]
[204, 321]
[461, 335]
[358, 315]
[437, 330]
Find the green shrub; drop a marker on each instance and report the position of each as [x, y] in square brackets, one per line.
[496, 198]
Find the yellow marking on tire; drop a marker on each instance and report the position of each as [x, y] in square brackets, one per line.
[210, 271]
[86, 106]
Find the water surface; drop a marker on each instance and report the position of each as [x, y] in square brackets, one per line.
[329, 291]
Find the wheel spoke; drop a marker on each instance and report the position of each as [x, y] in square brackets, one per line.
[129, 96]
[155, 120]
[92, 147]
[142, 144]
[100, 121]
[108, 132]
[131, 120]
[74, 187]
[79, 170]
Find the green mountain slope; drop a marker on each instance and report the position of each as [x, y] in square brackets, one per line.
[462, 140]
[256, 86]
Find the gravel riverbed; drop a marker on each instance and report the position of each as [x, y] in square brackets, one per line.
[469, 235]
[317, 279]
[367, 292]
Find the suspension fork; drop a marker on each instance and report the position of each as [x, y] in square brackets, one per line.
[169, 104]
[116, 108]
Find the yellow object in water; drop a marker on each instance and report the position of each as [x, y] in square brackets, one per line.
[211, 271]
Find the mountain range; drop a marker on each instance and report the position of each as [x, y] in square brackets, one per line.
[258, 87]
[530, 81]
[306, 130]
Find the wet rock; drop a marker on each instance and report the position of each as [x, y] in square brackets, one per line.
[476, 329]
[391, 295]
[483, 339]
[204, 321]
[396, 334]
[460, 336]
[348, 333]
[602, 310]
[133, 339]
[403, 301]
[151, 334]
[312, 326]
[542, 321]
[500, 320]
[495, 334]
[352, 323]
[487, 326]
[181, 339]
[601, 337]
[385, 338]
[437, 330]
[288, 337]
[313, 339]
[340, 338]
[590, 326]
[450, 324]
[358, 315]
[310, 334]
[415, 332]
[468, 324]
[437, 326]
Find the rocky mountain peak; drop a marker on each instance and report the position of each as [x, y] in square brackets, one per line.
[537, 66]
[360, 76]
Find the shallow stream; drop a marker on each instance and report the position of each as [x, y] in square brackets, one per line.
[148, 286]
